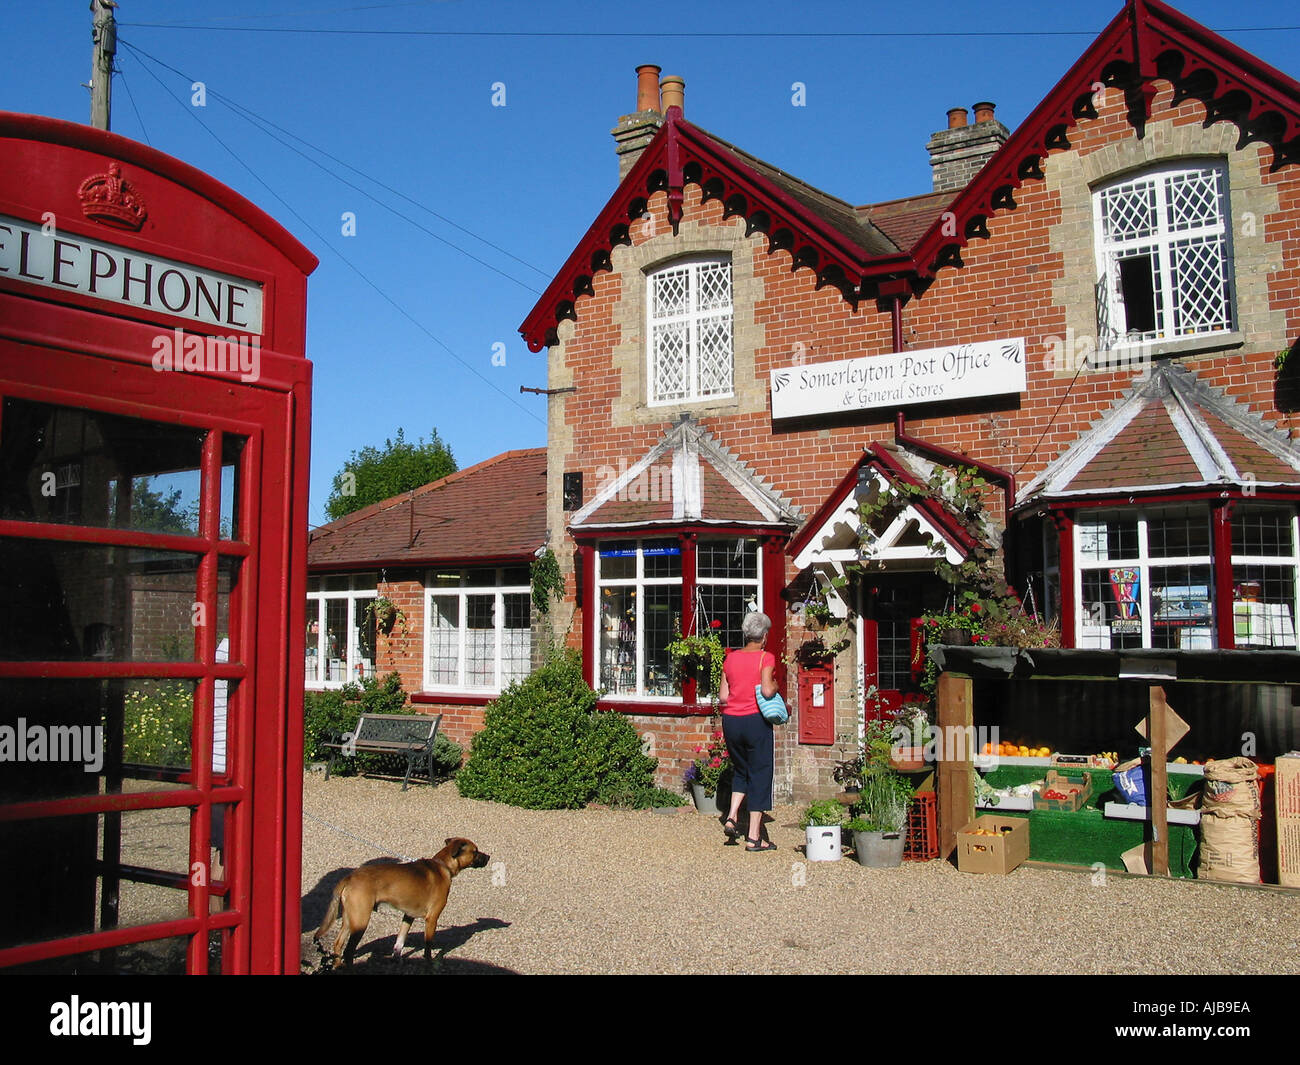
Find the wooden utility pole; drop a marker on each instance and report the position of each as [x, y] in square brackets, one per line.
[104, 33]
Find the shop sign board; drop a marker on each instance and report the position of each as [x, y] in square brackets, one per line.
[900, 379]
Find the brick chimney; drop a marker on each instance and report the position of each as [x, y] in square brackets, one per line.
[637, 130]
[959, 152]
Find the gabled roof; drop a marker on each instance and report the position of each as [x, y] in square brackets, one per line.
[1170, 431]
[688, 478]
[821, 232]
[831, 535]
[855, 249]
[492, 512]
[1145, 41]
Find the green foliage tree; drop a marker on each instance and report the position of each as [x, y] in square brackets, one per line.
[545, 746]
[372, 474]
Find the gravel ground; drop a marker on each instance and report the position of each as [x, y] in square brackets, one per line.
[613, 891]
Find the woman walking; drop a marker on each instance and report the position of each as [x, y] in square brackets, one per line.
[748, 735]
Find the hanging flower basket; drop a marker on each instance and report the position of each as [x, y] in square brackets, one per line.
[384, 613]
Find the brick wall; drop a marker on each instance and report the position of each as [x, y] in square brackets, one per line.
[1033, 278]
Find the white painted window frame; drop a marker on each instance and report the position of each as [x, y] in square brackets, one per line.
[692, 317]
[461, 593]
[638, 582]
[1108, 254]
[356, 594]
[1098, 637]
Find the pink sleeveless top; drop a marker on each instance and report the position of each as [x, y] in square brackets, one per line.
[743, 669]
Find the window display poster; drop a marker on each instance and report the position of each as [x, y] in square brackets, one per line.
[1125, 585]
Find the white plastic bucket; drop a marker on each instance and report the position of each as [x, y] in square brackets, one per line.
[823, 843]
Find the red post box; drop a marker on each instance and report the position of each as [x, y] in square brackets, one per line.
[817, 704]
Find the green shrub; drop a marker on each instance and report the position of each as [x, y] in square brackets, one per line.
[544, 746]
[643, 798]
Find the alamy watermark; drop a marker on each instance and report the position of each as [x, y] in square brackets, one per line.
[654, 484]
[182, 352]
[53, 743]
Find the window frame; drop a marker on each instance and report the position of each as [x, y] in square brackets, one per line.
[639, 582]
[1112, 314]
[1222, 613]
[461, 592]
[691, 317]
[361, 587]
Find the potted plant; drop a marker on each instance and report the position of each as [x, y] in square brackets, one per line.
[821, 824]
[879, 826]
[692, 653]
[709, 776]
[383, 611]
[817, 612]
[910, 736]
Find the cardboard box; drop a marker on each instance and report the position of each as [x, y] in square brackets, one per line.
[998, 853]
[1286, 793]
[1078, 786]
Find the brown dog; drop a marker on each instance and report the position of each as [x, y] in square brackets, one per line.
[418, 889]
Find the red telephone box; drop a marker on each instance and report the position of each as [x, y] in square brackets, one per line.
[154, 440]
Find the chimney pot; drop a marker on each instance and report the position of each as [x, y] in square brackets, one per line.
[673, 91]
[983, 111]
[647, 87]
[956, 117]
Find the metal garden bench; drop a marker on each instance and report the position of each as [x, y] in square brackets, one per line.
[406, 734]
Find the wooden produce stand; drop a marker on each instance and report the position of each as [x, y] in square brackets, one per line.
[965, 700]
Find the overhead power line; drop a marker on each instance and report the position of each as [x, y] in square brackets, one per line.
[254, 118]
[348, 262]
[658, 34]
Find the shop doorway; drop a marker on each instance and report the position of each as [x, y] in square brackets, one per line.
[892, 651]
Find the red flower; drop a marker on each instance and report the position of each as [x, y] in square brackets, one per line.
[715, 624]
[974, 608]
[717, 735]
[716, 763]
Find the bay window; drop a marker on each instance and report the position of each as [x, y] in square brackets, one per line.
[642, 604]
[1146, 578]
[340, 630]
[479, 631]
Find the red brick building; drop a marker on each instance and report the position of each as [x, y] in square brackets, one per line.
[1089, 309]
[458, 576]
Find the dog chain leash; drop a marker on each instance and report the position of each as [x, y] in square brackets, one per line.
[359, 839]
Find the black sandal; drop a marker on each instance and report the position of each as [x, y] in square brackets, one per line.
[732, 830]
[762, 845]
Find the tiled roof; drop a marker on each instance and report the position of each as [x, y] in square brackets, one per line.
[687, 477]
[860, 229]
[495, 510]
[1169, 431]
[905, 221]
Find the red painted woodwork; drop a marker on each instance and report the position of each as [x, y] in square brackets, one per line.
[1146, 40]
[71, 351]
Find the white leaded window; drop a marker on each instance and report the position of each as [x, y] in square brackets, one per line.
[340, 641]
[1163, 256]
[479, 631]
[689, 312]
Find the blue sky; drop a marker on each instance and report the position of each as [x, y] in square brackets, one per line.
[402, 326]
